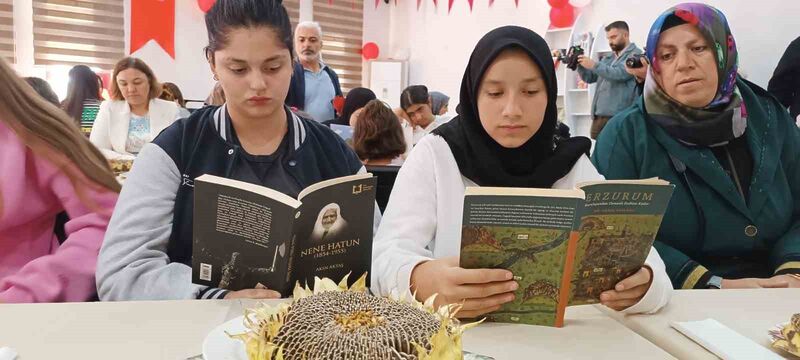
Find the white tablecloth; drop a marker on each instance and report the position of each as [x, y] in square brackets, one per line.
[750, 312]
[175, 330]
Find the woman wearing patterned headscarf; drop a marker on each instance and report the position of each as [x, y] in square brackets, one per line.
[728, 146]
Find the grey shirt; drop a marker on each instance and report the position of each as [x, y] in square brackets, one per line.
[616, 89]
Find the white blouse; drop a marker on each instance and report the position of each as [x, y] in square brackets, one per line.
[423, 221]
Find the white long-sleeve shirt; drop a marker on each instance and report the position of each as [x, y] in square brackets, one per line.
[423, 221]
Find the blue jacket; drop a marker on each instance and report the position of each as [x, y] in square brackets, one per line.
[296, 97]
[616, 89]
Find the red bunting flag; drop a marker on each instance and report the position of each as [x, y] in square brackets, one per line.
[419, 2]
[470, 4]
[153, 20]
[450, 5]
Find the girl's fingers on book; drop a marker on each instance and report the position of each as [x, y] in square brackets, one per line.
[480, 276]
[484, 291]
[641, 277]
[487, 302]
[632, 294]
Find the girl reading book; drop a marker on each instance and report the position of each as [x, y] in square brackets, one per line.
[503, 136]
[253, 137]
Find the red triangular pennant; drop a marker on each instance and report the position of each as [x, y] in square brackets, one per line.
[516, 3]
[419, 2]
[153, 20]
[491, 2]
[435, 4]
[450, 5]
[470, 4]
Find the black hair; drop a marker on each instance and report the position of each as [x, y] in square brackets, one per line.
[44, 90]
[84, 85]
[228, 14]
[414, 94]
[620, 25]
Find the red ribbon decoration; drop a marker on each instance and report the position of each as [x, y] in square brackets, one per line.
[153, 20]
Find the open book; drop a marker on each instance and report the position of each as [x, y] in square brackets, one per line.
[565, 247]
[248, 236]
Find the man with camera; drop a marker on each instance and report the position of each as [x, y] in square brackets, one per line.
[616, 88]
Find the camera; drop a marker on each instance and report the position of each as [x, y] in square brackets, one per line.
[570, 57]
[635, 61]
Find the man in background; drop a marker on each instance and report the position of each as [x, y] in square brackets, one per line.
[616, 88]
[314, 85]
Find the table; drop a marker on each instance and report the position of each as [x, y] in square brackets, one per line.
[175, 330]
[751, 312]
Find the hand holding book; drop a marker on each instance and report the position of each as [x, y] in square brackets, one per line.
[481, 290]
[629, 291]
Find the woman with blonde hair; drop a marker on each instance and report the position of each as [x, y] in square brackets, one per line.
[48, 168]
[135, 115]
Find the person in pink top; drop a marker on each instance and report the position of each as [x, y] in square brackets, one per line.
[47, 167]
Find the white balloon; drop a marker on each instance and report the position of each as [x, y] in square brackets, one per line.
[579, 3]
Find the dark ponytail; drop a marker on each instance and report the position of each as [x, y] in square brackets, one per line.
[226, 15]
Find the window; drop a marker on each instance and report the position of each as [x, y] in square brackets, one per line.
[73, 32]
[7, 30]
[342, 34]
[293, 8]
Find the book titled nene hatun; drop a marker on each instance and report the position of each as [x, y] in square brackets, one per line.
[248, 236]
[564, 247]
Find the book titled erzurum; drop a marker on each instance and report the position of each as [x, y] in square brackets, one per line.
[564, 247]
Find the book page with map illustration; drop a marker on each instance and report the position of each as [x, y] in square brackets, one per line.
[528, 233]
[618, 224]
[564, 247]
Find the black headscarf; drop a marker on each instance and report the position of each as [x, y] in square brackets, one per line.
[539, 162]
[356, 99]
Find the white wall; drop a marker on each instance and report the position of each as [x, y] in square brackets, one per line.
[439, 44]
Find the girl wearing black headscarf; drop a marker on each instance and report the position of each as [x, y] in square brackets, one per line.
[356, 99]
[503, 136]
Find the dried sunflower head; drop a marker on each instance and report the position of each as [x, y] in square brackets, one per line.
[333, 321]
[789, 339]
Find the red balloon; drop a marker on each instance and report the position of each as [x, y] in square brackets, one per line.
[562, 17]
[558, 3]
[206, 5]
[370, 51]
